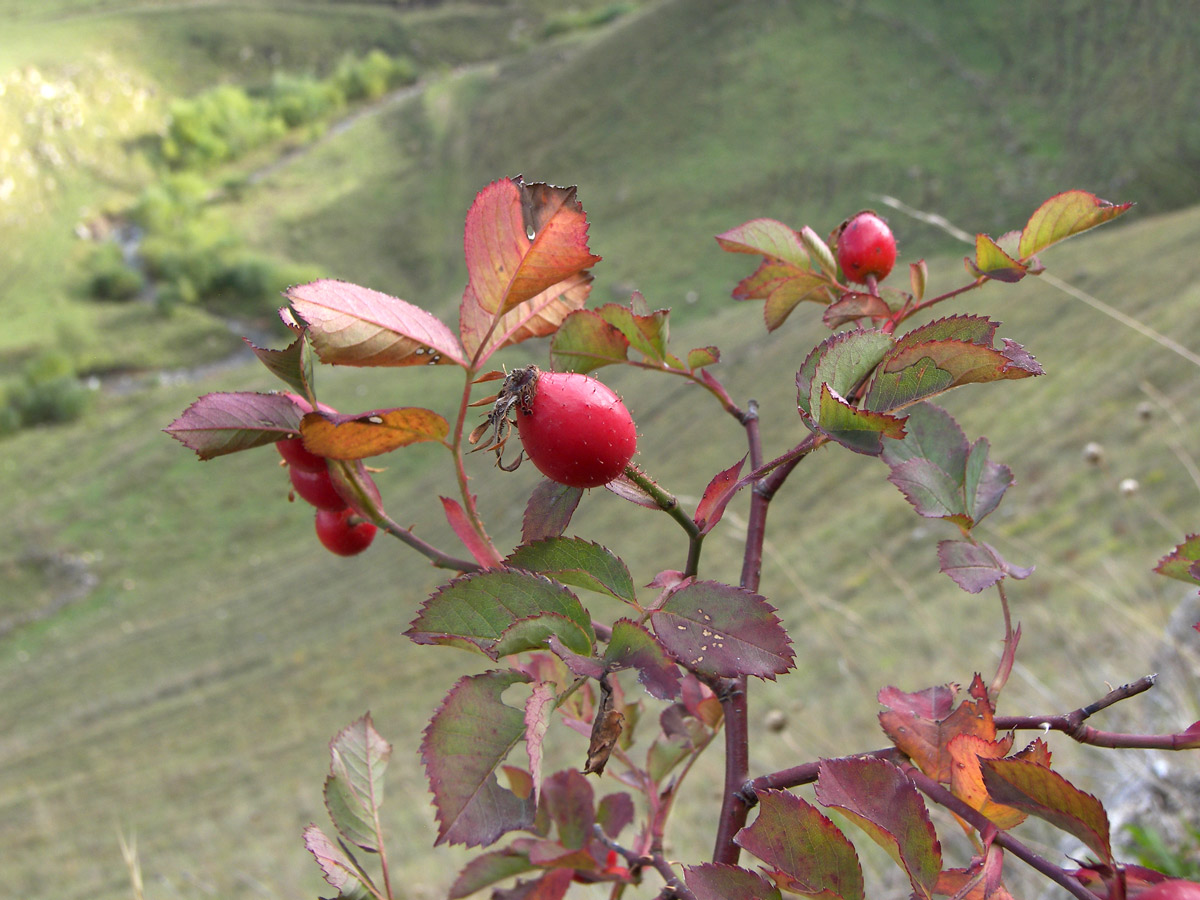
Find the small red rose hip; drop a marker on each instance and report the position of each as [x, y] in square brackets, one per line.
[576, 430]
[866, 247]
[1174, 889]
[293, 453]
[316, 487]
[338, 535]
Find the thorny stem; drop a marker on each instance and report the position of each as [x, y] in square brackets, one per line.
[668, 504]
[982, 824]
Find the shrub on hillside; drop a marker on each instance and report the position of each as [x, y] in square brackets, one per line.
[109, 276]
[48, 392]
[301, 100]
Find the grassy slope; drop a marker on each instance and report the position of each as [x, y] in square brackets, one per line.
[189, 698]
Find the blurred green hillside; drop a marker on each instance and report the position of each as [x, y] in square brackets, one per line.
[176, 649]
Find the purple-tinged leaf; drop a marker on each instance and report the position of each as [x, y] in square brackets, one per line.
[570, 803]
[576, 562]
[992, 262]
[477, 609]
[582, 666]
[855, 429]
[614, 813]
[538, 708]
[716, 881]
[357, 436]
[632, 646]
[806, 851]
[487, 869]
[585, 342]
[853, 306]
[549, 511]
[977, 566]
[881, 800]
[1062, 216]
[985, 482]
[221, 423]
[552, 885]
[930, 433]
[467, 740]
[923, 724]
[293, 364]
[716, 497]
[354, 788]
[718, 629]
[766, 237]
[339, 871]
[1035, 789]
[1181, 562]
[481, 551]
[351, 325]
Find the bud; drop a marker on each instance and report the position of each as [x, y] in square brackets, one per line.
[819, 250]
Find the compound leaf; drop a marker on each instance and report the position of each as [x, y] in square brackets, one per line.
[464, 744]
[718, 629]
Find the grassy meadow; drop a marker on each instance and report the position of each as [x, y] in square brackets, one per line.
[175, 647]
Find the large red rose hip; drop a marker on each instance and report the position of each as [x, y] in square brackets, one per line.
[576, 430]
[866, 247]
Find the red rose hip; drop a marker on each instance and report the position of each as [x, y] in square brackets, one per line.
[866, 247]
[316, 487]
[576, 430]
[338, 535]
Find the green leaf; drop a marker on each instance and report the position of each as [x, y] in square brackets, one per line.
[549, 510]
[859, 430]
[881, 800]
[467, 740]
[632, 646]
[972, 329]
[992, 262]
[699, 357]
[718, 629]
[853, 306]
[354, 788]
[766, 237]
[477, 609]
[534, 633]
[1062, 216]
[645, 333]
[841, 361]
[1180, 563]
[808, 853]
[585, 342]
[1037, 790]
[487, 869]
[576, 562]
[716, 881]
[293, 365]
[791, 293]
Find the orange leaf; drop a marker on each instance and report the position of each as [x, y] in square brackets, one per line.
[967, 778]
[370, 434]
[922, 730]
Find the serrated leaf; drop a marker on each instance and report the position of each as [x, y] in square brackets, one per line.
[464, 744]
[534, 633]
[1064, 215]
[527, 259]
[221, 423]
[716, 881]
[478, 608]
[808, 853]
[718, 629]
[859, 430]
[538, 708]
[699, 357]
[576, 562]
[972, 329]
[584, 342]
[716, 497]
[930, 433]
[1180, 563]
[791, 293]
[293, 364]
[1037, 790]
[570, 803]
[487, 869]
[549, 511]
[647, 333]
[922, 725]
[841, 361]
[354, 788]
[358, 436]
[992, 262]
[766, 237]
[615, 813]
[481, 551]
[335, 865]
[918, 372]
[852, 306]
[351, 325]
[959, 484]
[632, 646]
[976, 566]
[880, 800]
[769, 275]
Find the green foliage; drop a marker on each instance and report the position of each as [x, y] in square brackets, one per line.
[47, 393]
[1151, 849]
[580, 20]
[301, 99]
[109, 276]
[217, 126]
[372, 76]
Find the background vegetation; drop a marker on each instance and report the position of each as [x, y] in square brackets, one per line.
[170, 664]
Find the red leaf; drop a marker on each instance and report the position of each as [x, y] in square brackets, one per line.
[355, 326]
[807, 852]
[482, 552]
[222, 423]
[538, 708]
[880, 800]
[549, 511]
[922, 726]
[715, 881]
[716, 497]
[488, 869]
